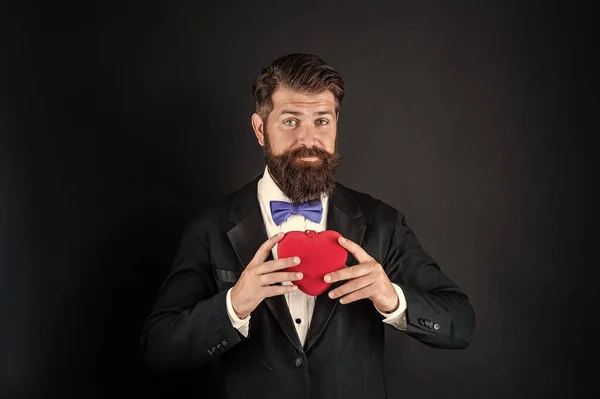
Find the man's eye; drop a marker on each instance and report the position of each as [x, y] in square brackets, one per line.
[290, 122]
[322, 122]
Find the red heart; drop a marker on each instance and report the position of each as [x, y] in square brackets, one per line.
[319, 253]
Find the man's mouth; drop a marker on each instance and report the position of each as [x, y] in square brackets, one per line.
[311, 159]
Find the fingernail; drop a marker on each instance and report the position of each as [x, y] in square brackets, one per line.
[342, 301]
[299, 275]
[296, 260]
[280, 235]
[327, 278]
[341, 239]
[331, 294]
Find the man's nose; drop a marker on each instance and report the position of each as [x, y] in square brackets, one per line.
[307, 136]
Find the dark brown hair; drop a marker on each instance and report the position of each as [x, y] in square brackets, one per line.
[305, 73]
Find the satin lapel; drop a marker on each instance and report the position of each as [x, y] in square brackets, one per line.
[341, 217]
[247, 235]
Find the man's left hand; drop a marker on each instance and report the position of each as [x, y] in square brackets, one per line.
[367, 279]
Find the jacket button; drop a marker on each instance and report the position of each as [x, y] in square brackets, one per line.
[300, 362]
[225, 344]
[436, 326]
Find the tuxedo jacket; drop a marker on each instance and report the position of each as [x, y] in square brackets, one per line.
[342, 356]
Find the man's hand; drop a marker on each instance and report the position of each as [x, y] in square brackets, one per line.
[367, 280]
[255, 282]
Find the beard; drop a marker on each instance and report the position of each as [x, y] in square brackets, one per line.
[303, 181]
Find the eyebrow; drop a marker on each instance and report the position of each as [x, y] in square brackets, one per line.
[298, 113]
[328, 112]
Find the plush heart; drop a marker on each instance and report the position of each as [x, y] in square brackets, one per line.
[319, 253]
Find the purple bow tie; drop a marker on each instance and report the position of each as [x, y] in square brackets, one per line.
[281, 211]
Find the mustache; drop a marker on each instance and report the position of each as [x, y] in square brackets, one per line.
[304, 152]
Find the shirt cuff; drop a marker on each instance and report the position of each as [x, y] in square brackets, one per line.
[397, 318]
[239, 324]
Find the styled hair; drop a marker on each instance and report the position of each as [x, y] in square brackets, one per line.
[305, 73]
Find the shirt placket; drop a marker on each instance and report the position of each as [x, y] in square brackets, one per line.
[296, 301]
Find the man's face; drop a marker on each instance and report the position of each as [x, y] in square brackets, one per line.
[299, 138]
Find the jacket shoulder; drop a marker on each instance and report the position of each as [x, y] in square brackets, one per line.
[215, 214]
[373, 208]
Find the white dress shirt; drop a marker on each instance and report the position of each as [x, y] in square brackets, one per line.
[301, 305]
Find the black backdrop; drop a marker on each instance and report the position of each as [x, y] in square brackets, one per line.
[119, 122]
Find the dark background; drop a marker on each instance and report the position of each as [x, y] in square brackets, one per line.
[119, 122]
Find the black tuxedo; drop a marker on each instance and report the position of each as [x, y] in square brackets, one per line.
[343, 353]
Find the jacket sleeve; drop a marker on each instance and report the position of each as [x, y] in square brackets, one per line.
[438, 313]
[188, 324]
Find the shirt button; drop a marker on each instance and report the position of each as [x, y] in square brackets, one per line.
[298, 321]
[436, 326]
[299, 362]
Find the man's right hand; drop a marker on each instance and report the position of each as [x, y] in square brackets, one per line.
[255, 282]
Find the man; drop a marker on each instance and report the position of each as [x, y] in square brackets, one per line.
[228, 295]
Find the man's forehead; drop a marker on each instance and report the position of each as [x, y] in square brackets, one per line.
[288, 98]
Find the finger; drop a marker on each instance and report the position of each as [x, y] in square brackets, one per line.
[278, 277]
[274, 290]
[277, 264]
[351, 286]
[359, 254]
[357, 295]
[347, 273]
[264, 249]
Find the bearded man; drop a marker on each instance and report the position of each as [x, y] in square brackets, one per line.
[229, 295]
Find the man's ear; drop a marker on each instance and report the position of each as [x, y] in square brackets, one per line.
[259, 128]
